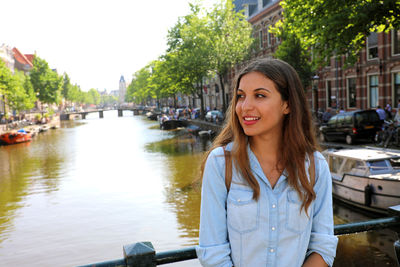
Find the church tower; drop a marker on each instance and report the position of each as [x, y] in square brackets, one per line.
[122, 90]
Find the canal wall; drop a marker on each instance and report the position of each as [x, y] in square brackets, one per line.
[205, 125]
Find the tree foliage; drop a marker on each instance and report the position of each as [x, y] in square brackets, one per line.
[16, 89]
[230, 38]
[46, 82]
[291, 51]
[200, 45]
[338, 27]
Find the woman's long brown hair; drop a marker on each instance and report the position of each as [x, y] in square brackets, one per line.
[298, 138]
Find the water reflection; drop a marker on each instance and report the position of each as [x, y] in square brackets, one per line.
[366, 249]
[185, 153]
[26, 169]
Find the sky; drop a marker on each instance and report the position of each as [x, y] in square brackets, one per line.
[93, 41]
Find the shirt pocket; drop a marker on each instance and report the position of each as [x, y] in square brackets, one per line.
[242, 210]
[295, 221]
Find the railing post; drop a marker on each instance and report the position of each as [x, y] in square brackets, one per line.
[141, 254]
[119, 112]
[101, 115]
[395, 211]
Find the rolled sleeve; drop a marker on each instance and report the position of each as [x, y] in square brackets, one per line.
[214, 249]
[322, 240]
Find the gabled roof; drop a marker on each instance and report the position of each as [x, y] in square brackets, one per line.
[21, 58]
[30, 57]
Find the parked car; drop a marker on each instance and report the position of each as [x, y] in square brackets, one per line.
[214, 115]
[351, 126]
[196, 113]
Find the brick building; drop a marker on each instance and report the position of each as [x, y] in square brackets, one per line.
[374, 80]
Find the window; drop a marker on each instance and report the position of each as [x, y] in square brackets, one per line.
[260, 36]
[335, 163]
[329, 101]
[351, 92]
[353, 166]
[378, 166]
[372, 45]
[396, 87]
[252, 9]
[268, 37]
[266, 2]
[332, 121]
[373, 91]
[396, 42]
[348, 119]
[340, 119]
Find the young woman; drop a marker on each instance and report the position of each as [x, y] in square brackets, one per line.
[276, 208]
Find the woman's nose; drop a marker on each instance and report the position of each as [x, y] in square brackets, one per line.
[247, 104]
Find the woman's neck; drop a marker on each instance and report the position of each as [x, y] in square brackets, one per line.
[266, 148]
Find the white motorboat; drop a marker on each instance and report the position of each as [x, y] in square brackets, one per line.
[368, 178]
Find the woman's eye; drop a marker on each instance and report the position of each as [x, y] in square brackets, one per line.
[240, 96]
[260, 95]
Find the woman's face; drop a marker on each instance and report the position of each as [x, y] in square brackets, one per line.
[260, 108]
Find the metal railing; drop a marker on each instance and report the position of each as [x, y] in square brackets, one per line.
[142, 254]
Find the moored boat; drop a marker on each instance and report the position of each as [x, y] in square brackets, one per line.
[368, 178]
[15, 137]
[172, 124]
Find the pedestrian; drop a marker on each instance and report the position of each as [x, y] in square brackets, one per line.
[381, 113]
[327, 115]
[396, 119]
[388, 110]
[266, 191]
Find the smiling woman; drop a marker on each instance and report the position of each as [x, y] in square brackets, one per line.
[275, 196]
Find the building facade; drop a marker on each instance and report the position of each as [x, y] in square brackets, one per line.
[374, 80]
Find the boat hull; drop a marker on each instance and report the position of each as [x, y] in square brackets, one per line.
[368, 193]
[15, 138]
[173, 124]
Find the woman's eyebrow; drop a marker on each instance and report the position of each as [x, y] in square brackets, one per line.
[262, 89]
[256, 90]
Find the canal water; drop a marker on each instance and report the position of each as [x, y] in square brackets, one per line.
[77, 194]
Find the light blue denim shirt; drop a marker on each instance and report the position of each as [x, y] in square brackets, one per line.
[236, 230]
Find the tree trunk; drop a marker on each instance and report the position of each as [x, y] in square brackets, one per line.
[174, 101]
[202, 115]
[222, 92]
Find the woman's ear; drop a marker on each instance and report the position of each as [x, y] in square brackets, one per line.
[286, 109]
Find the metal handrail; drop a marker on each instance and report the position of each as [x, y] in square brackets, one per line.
[142, 254]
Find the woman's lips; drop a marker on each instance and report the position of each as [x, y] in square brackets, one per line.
[250, 120]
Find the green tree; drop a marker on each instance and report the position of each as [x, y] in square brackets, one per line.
[138, 91]
[74, 93]
[189, 51]
[5, 79]
[338, 27]
[66, 87]
[21, 95]
[230, 38]
[291, 51]
[45, 81]
[93, 97]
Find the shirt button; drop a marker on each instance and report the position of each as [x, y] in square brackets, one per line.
[273, 228]
[273, 206]
[272, 250]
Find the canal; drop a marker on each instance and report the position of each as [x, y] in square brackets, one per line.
[77, 194]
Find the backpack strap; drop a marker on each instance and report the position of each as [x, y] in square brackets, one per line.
[228, 168]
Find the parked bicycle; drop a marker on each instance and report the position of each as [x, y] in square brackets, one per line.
[388, 136]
